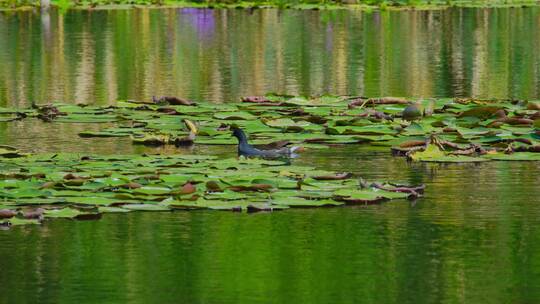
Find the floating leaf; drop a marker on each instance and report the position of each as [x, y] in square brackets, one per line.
[19, 222]
[433, 154]
[62, 213]
[239, 115]
[480, 112]
[113, 210]
[296, 202]
[367, 195]
[145, 207]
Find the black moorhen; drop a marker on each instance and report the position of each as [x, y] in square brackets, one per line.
[245, 149]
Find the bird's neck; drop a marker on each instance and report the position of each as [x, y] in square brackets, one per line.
[242, 139]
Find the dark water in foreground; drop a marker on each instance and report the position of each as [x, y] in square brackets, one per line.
[473, 238]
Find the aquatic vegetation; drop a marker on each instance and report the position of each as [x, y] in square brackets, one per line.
[462, 129]
[367, 5]
[42, 186]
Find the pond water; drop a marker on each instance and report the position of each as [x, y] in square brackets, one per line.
[474, 237]
[220, 55]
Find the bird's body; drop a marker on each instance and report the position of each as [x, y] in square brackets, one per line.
[245, 149]
[413, 112]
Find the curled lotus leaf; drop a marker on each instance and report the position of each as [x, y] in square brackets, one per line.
[151, 139]
[145, 207]
[264, 207]
[8, 152]
[103, 209]
[336, 176]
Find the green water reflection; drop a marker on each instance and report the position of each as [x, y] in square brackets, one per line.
[474, 238]
[219, 55]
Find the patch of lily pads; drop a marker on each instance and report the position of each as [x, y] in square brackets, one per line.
[37, 187]
[464, 130]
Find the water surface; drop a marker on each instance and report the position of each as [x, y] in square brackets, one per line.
[474, 237]
[220, 55]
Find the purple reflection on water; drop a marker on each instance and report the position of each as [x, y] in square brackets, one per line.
[202, 21]
[329, 43]
[377, 18]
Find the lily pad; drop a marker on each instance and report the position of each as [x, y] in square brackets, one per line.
[369, 194]
[62, 213]
[145, 207]
[165, 182]
[18, 222]
[113, 210]
[433, 154]
[296, 202]
[318, 120]
[239, 115]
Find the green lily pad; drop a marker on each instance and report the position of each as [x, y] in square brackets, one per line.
[433, 154]
[152, 190]
[239, 115]
[10, 152]
[296, 202]
[87, 118]
[95, 200]
[62, 213]
[369, 194]
[318, 120]
[103, 209]
[14, 221]
[145, 207]
[480, 111]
